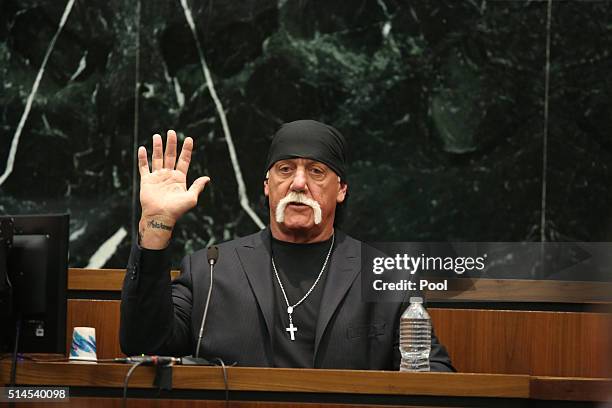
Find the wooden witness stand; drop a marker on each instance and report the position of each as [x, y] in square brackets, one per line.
[504, 357]
[93, 385]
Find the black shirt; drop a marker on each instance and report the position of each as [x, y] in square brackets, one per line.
[298, 266]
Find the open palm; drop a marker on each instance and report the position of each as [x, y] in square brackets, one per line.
[163, 189]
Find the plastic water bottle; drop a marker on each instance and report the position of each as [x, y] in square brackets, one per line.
[415, 337]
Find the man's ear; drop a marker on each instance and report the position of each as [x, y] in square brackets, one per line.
[266, 188]
[341, 192]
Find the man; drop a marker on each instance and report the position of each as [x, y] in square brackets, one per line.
[288, 296]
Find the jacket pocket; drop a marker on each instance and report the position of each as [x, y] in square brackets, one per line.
[369, 331]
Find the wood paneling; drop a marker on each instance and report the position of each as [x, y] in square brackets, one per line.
[484, 341]
[103, 315]
[522, 290]
[520, 342]
[572, 344]
[98, 279]
[464, 289]
[572, 389]
[479, 341]
[95, 279]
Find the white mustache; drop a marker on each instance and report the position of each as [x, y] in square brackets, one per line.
[298, 198]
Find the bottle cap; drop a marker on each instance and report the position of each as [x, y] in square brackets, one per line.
[416, 299]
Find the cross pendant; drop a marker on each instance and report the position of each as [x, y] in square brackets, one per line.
[291, 329]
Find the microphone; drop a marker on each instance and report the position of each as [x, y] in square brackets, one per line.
[212, 255]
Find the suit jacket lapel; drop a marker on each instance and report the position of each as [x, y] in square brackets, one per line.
[343, 269]
[255, 260]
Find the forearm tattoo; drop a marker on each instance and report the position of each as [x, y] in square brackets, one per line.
[158, 225]
[153, 225]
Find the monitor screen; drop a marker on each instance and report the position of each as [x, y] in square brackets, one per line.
[34, 281]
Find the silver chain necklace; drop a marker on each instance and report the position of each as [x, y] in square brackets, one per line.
[292, 329]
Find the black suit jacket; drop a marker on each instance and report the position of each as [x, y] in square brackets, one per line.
[163, 317]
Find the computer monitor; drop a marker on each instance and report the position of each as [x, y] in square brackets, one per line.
[33, 275]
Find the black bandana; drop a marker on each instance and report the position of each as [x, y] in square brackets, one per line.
[309, 139]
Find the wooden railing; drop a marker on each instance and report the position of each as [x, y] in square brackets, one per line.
[460, 289]
[306, 385]
[543, 343]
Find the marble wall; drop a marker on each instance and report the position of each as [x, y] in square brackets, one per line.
[468, 120]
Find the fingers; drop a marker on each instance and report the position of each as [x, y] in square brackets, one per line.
[185, 157]
[198, 185]
[167, 159]
[157, 158]
[170, 154]
[143, 162]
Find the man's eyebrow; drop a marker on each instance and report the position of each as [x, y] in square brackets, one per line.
[318, 163]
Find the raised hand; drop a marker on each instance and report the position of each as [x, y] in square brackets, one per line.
[164, 196]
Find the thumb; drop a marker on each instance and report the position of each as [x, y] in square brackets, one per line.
[198, 185]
